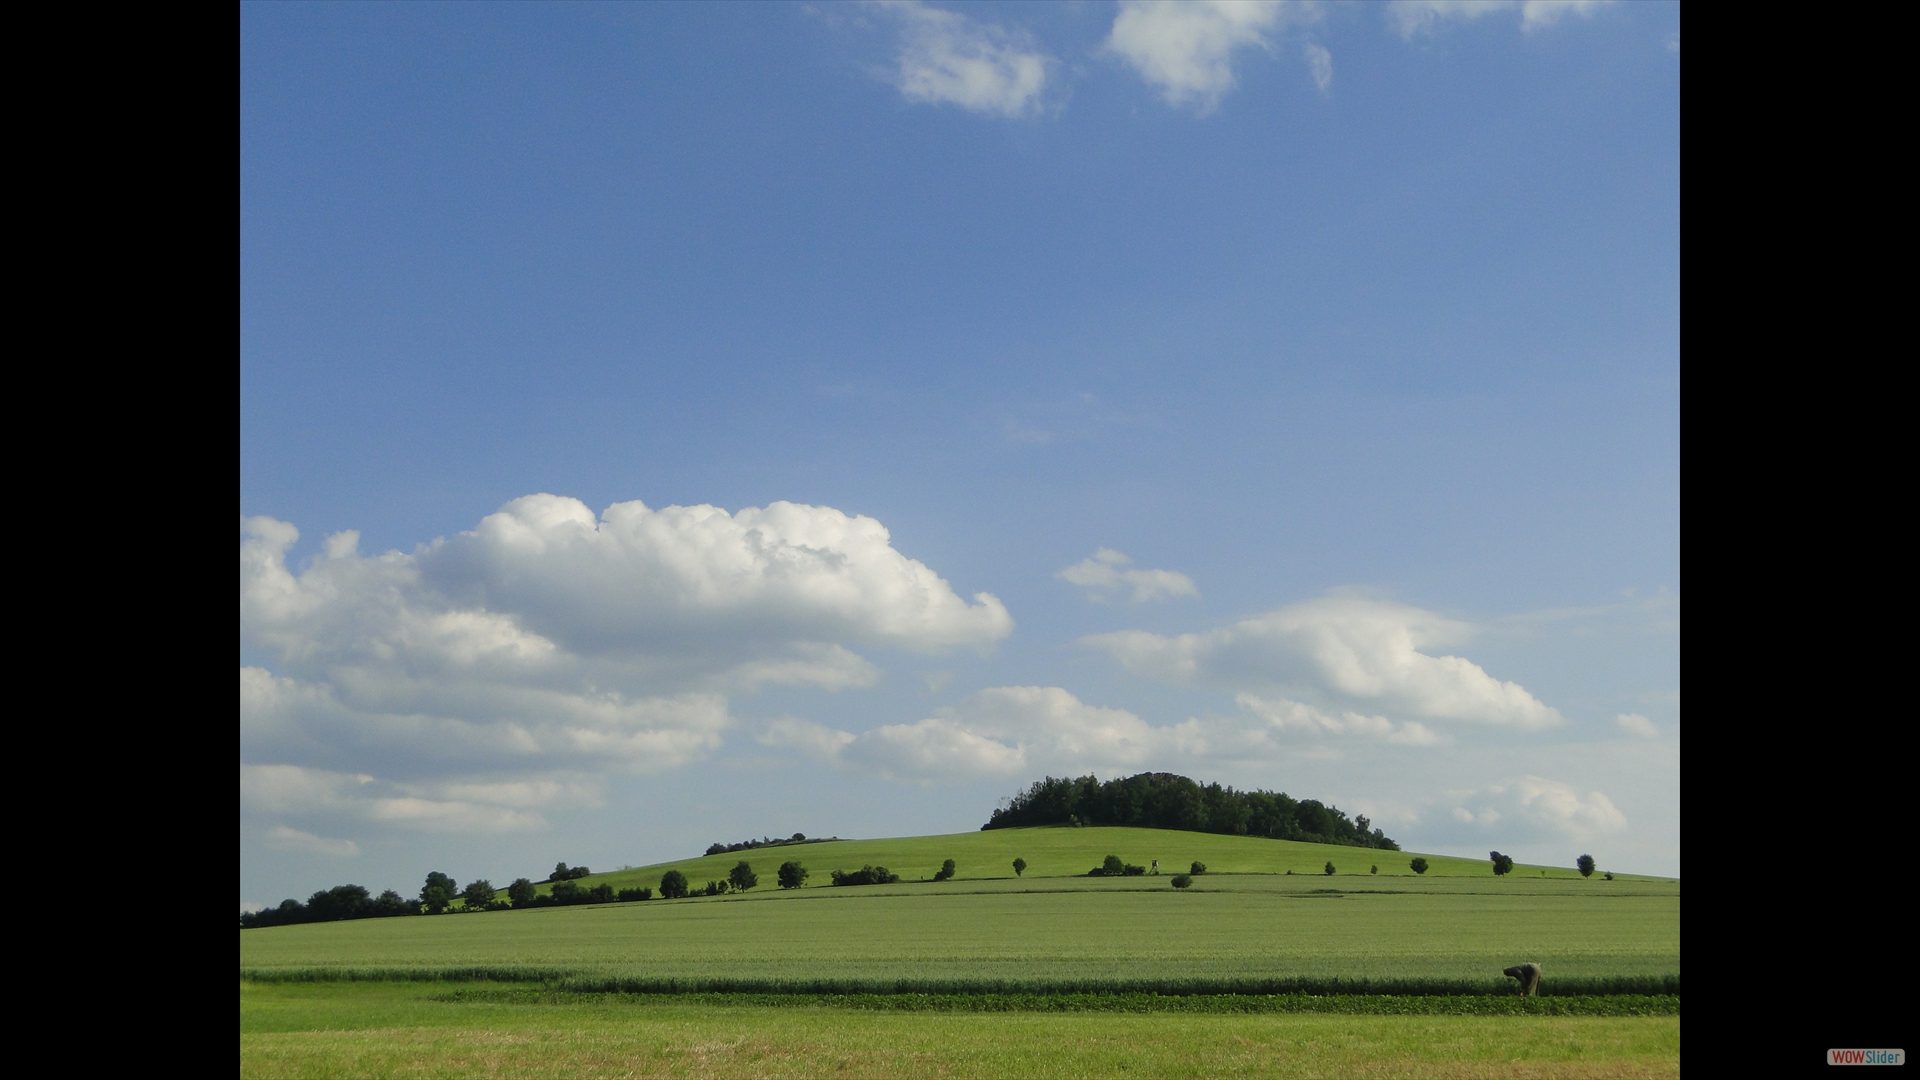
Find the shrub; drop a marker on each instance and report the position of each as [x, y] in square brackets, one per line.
[1585, 863]
[1131, 870]
[1181, 881]
[1329, 870]
[866, 875]
[562, 872]
[600, 894]
[1019, 867]
[673, 885]
[792, 874]
[1111, 866]
[1375, 870]
[742, 877]
[1502, 864]
[1608, 875]
[945, 872]
[716, 888]
[635, 894]
[1197, 869]
[1418, 866]
[566, 892]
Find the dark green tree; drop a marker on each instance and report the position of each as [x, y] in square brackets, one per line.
[521, 892]
[1181, 881]
[1019, 867]
[945, 872]
[1585, 863]
[1375, 870]
[742, 877]
[1329, 870]
[1197, 868]
[438, 893]
[560, 872]
[673, 885]
[1111, 866]
[1418, 865]
[792, 874]
[478, 895]
[1502, 864]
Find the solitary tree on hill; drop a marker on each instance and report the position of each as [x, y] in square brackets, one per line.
[1418, 865]
[673, 885]
[1329, 868]
[1019, 867]
[439, 892]
[1585, 863]
[1502, 864]
[742, 877]
[792, 874]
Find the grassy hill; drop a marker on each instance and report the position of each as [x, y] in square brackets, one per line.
[1060, 851]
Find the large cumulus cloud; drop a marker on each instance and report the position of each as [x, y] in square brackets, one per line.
[551, 639]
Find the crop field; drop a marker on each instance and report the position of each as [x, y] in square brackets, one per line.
[1043, 975]
[419, 1030]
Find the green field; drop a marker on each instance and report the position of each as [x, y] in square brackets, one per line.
[1062, 852]
[413, 1029]
[1009, 942]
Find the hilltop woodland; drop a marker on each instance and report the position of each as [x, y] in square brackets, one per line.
[1167, 801]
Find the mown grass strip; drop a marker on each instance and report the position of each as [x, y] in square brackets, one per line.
[1358, 1004]
[575, 982]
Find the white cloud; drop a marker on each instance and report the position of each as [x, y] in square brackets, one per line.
[1104, 574]
[1532, 807]
[548, 641]
[1001, 731]
[1320, 63]
[1297, 716]
[948, 58]
[1185, 47]
[285, 839]
[1028, 730]
[1346, 650]
[1410, 17]
[458, 805]
[1636, 725]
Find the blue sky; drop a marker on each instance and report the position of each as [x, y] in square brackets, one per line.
[1284, 395]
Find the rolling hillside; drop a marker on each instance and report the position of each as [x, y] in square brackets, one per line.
[1057, 851]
